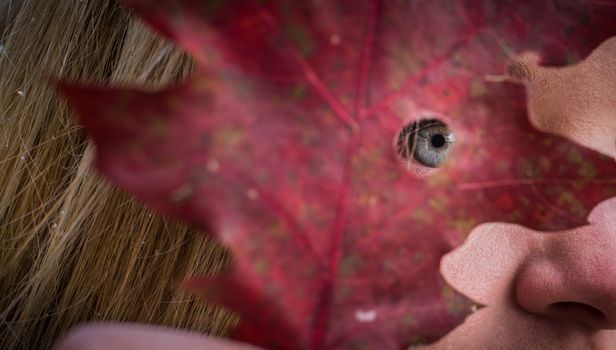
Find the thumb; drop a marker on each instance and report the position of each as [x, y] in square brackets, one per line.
[103, 336]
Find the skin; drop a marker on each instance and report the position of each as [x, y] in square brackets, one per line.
[576, 101]
[540, 290]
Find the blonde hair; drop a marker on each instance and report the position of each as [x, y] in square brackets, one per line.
[72, 248]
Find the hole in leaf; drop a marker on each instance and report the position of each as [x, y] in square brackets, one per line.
[424, 145]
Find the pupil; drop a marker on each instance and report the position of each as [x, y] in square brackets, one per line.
[437, 141]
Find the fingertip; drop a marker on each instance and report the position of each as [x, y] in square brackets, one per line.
[83, 337]
[103, 336]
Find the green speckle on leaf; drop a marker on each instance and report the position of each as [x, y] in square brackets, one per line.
[587, 170]
[348, 265]
[408, 320]
[478, 88]
[158, 126]
[211, 6]
[301, 37]
[261, 266]
[568, 199]
[228, 137]
[438, 203]
[298, 91]
[463, 224]
[455, 304]
[507, 49]
[419, 215]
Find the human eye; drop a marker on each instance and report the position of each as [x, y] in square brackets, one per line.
[426, 143]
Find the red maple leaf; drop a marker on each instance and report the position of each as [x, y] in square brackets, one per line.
[281, 148]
